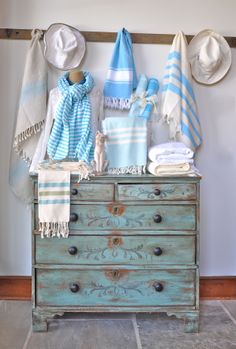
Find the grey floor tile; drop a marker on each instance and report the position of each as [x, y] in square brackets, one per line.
[100, 334]
[217, 331]
[15, 322]
[231, 306]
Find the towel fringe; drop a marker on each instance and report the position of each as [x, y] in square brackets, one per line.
[24, 136]
[128, 169]
[51, 229]
[117, 103]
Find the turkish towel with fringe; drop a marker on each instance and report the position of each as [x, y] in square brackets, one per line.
[29, 119]
[126, 144]
[178, 106]
[33, 98]
[121, 77]
[54, 203]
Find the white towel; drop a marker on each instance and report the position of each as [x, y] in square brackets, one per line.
[178, 103]
[171, 150]
[54, 203]
[30, 119]
[32, 104]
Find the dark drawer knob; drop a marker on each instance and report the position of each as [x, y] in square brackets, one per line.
[157, 192]
[72, 250]
[157, 251]
[158, 286]
[157, 218]
[73, 217]
[74, 191]
[74, 287]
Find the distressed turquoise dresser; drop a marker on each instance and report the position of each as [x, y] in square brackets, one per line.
[133, 247]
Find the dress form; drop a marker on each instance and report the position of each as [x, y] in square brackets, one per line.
[76, 76]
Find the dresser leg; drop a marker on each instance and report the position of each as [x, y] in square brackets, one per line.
[191, 322]
[39, 322]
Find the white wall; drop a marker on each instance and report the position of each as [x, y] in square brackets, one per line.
[217, 156]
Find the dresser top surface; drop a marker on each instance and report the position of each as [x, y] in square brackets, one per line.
[128, 178]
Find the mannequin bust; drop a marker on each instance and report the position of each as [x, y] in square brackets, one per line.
[76, 76]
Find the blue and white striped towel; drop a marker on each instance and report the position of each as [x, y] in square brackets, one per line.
[54, 203]
[126, 144]
[121, 77]
[178, 106]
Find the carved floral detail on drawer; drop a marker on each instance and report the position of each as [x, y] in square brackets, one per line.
[114, 251]
[113, 221]
[114, 290]
[147, 194]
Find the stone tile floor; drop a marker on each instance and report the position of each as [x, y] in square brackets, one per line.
[123, 331]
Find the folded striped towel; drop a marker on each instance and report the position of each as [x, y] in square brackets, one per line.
[178, 106]
[121, 77]
[126, 144]
[54, 203]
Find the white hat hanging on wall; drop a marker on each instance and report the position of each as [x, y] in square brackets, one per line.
[209, 56]
[65, 46]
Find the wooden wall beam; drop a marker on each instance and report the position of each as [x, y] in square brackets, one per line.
[97, 36]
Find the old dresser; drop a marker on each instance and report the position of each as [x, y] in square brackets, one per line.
[133, 247]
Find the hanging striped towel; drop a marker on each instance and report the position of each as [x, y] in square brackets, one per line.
[54, 203]
[121, 77]
[126, 144]
[29, 119]
[178, 105]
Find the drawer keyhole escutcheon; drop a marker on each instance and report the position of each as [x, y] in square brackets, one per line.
[116, 241]
[157, 218]
[74, 287]
[157, 251]
[158, 286]
[72, 250]
[74, 217]
[115, 274]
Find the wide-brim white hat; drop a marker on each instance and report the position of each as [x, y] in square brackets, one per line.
[210, 57]
[64, 46]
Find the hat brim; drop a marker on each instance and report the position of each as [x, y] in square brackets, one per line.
[193, 52]
[50, 51]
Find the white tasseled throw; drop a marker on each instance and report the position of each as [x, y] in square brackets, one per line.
[54, 203]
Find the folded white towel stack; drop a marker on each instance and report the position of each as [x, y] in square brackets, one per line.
[173, 158]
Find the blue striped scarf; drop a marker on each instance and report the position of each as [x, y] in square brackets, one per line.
[71, 136]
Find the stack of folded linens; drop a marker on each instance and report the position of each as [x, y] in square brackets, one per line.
[173, 158]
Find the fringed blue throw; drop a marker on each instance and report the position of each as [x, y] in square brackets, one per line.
[121, 77]
[72, 136]
[126, 144]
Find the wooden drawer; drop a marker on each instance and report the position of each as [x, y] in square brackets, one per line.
[116, 249]
[118, 216]
[88, 192]
[117, 287]
[157, 192]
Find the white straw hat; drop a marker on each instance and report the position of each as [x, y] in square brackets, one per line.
[64, 46]
[209, 56]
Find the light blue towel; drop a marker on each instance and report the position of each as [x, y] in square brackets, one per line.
[151, 98]
[126, 144]
[138, 96]
[121, 77]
